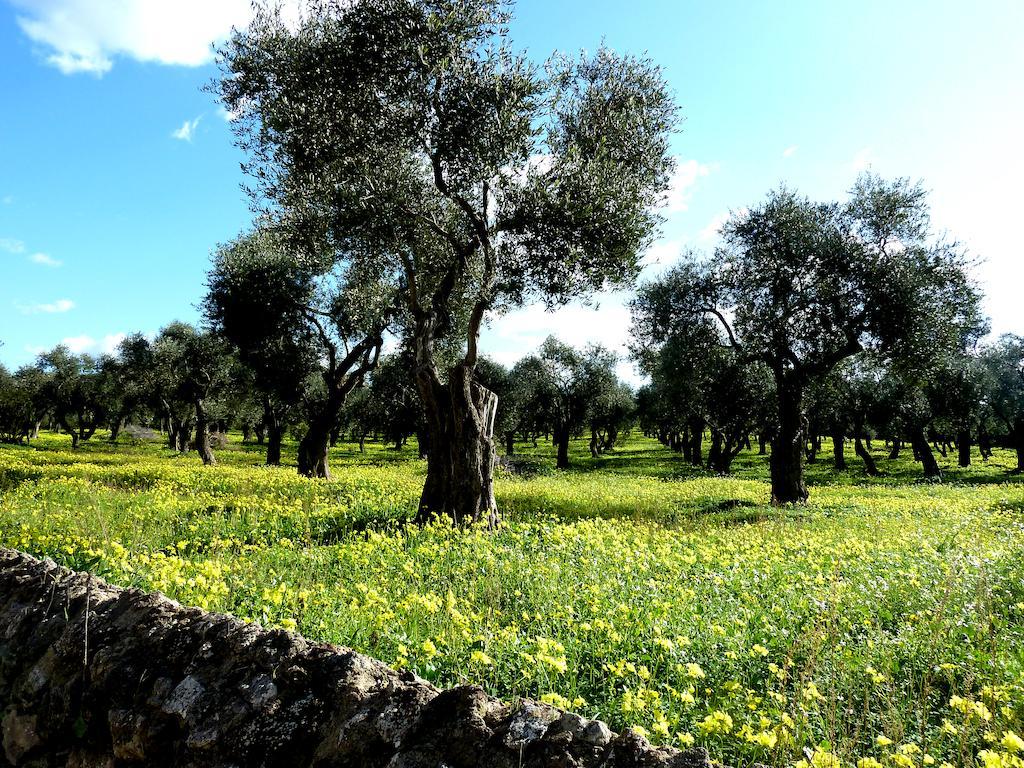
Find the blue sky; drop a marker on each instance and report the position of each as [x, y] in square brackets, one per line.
[118, 175]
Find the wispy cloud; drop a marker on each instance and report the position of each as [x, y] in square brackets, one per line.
[862, 160]
[79, 344]
[187, 130]
[710, 232]
[9, 245]
[7, 199]
[85, 343]
[790, 151]
[70, 63]
[686, 176]
[45, 259]
[87, 36]
[56, 307]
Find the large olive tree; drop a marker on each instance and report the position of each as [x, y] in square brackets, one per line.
[801, 286]
[411, 134]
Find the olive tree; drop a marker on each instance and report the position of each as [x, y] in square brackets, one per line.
[1004, 366]
[194, 367]
[801, 286]
[308, 323]
[80, 391]
[703, 384]
[567, 385]
[413, 134]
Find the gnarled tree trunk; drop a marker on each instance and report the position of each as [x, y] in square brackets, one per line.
[203, 447]
[919, 442]
[312, 454]
[461, 453]
[275, 433]
[561, 439]
[839, 448]
[963, 448]
[696, 429]
[787, 459]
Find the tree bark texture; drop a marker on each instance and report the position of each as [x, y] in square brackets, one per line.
[461, 454]
[787, 459]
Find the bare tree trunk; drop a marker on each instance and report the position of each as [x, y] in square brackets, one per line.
[984, 443]
[461, 455]
[715, 452]
[312, 453]
[696, 428]
[561, 439]
[924, 452]
[183, 437]
[787, 459]
[963, 448]
[510, 443]
[839, 449]
[275, 434]
[897, 445]
[203, 447]
[869, 461]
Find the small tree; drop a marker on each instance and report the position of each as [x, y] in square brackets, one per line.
[309, 325]
[410, 133]
[195, 367]
[133, 371]
[707, 383]
[80, 390]
[801, 286]
[1004, 366]
[566, 386]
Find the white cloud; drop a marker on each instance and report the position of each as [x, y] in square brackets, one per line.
[89, 35]
[862, 160]
[87, 344]
[686, 175]
[45, 259]
[73, 63]
[11, 246]
[607, 322]
[79, 344]
[710, 232]
[790, 151]
[187, 130]
[8, 199]
[56, 307]
[108, 344]
[659, 256]
[86, 35]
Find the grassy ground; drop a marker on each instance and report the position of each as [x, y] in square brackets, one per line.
[882, 624]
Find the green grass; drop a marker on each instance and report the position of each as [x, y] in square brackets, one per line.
[632, 587]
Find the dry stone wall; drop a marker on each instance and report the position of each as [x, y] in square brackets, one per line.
[93, 675]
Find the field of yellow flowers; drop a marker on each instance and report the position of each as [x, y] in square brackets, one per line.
[882, 625]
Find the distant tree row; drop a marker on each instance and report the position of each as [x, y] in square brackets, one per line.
[975, 402]
[192, 384]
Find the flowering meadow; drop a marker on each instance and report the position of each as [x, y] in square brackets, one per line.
[880, 625]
